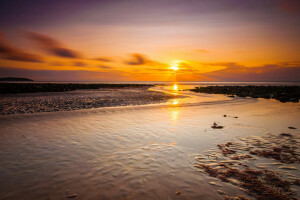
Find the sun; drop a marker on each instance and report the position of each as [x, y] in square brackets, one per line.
[175, 65]
[175, 68]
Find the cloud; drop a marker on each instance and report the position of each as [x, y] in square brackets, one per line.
[11, 53]
[285, 71]
[105, 67]
[138, 59]
[52, 46]
[79, 64]
[55, 63]
[103, 59]
[63, 75]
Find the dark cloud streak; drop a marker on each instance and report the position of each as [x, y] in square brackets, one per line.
[137, 59]
[103, 59]
[52, 46]
[63, 75]
[11, 53]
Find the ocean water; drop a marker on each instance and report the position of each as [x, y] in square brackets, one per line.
[197, 83]
[133, 152]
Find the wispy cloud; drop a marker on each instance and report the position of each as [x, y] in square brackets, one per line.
[64, 75]
[11, 53]
[79, 64]
[52, 46]
[105, 67]
[137, 59]
[103, 59]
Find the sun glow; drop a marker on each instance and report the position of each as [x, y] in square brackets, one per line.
[175, 65]
[175, 68]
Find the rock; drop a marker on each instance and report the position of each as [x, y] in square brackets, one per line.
[281, 93]
[294, 100]
[291, 127]
[216, 126]
[178, 193]
[286, 134]
[71, 196]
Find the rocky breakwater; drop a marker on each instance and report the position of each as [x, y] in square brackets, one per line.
[280, 93]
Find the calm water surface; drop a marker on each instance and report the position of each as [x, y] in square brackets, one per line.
[135, 152]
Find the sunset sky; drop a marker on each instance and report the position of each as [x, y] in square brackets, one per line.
[143, 40]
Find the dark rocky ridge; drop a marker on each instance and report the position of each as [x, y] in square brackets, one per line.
[280, 93]
[15, 79]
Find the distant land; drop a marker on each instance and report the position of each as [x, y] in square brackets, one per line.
[15, 79]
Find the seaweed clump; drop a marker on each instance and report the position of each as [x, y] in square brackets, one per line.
[240, 197]
[225, 150]
[284, 154]
[262, 184]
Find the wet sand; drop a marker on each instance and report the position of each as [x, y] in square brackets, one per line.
[138, 152]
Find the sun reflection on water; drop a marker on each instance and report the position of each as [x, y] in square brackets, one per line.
[175, 87]
[175, 114]
[175, 102]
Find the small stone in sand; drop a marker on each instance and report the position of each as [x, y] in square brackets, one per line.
[178, 193]
[286, 134]
[291, 127]
[71, 196]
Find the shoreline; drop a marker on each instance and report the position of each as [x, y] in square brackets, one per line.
[21, 88]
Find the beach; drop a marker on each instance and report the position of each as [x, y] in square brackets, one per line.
[149, 150]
